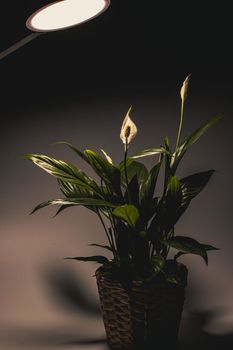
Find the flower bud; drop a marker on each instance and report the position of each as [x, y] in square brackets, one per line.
[184, 88]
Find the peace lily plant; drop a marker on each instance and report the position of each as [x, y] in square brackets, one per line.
[139, 225]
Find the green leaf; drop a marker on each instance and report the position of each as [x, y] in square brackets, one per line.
[173, 200]
[172, 279]
[120, 166]
[73, 148]
[209, 247]
[71, 190]
[148, 204]
[175, 273]
[167, 145]
[63, 207]
[178, 255]
[74, 201]
[64, 171]
[134, 168]
[199, 132]
[194, 137]
[102, 246]
[74, 191]
[141, 234]
[157, 262]
[187, 245]
[178, 197]
[100, 165]
[128, 213]
[149, 152]
[192, 185]
[174, 187]
[106, 171]
[148, 187]
[167, 213]
[132, 191]
[167, 160]
[96, 258]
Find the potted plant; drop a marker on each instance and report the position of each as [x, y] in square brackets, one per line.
[141, 288]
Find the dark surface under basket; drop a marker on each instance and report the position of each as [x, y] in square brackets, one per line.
[147, 314]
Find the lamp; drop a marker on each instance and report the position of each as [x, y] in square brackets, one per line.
[57, 16]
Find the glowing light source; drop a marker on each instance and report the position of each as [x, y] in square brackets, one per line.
[64, 14]
[59, 15]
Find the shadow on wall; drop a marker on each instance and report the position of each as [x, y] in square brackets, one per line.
[68, 291]
[47, 338]
[204, 327]
[50, 338]
[193, 335]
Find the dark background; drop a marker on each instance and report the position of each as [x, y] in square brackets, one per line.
[77, 85]
[132, 48]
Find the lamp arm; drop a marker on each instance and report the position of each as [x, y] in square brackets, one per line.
[19, 44]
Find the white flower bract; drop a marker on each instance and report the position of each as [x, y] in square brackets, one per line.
[109, 159]
[128, 129]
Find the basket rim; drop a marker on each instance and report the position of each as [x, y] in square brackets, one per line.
[111, 273]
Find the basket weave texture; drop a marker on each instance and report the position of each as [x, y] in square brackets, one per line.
[146, 315]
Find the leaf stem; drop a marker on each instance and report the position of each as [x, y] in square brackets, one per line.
[151, 249]
[169, 236]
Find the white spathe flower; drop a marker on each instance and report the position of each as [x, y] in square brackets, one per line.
[109, 159]
[184, 88]
[128, 129]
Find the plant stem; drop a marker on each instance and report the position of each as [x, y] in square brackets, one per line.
[112, 221]
[105, 229]
[112, 228]
[101, 185]
[169, 235]
[125, 160]
[113, 243]
[151, 249]
[181, 124]
[125, 168]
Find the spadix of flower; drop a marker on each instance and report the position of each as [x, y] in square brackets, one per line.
[128, 129]
[184, 88]
[109, 159]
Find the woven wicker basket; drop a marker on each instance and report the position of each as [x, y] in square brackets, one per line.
[145, 316]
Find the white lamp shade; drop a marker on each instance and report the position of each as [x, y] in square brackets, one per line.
[64, 14]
